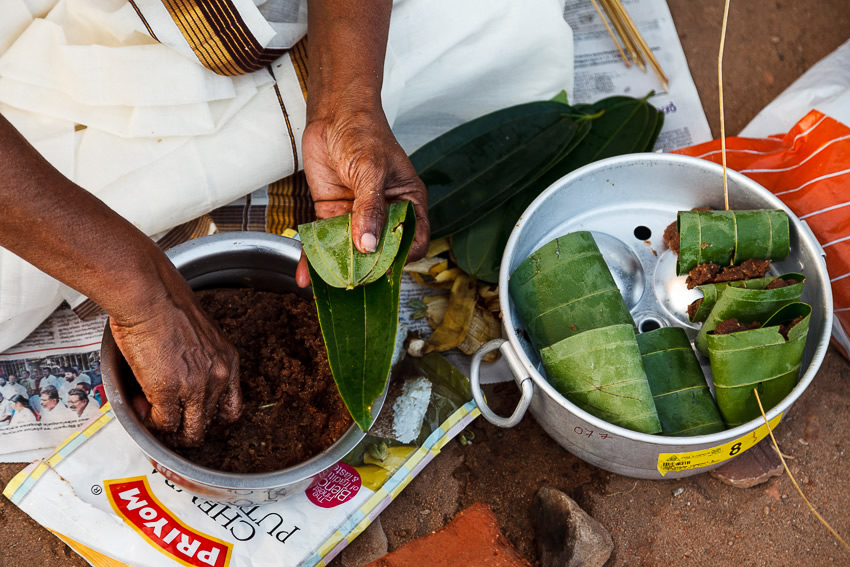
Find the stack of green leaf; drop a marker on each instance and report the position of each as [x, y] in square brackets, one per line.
[357, 299]
[483, 174]
[576, 317]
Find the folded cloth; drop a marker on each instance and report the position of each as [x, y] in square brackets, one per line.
[809, 170]
[114, 94]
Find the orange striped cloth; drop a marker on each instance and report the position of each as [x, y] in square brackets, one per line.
[809, 170]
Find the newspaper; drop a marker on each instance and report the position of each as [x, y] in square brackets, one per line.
[63, 342]
[600, 71]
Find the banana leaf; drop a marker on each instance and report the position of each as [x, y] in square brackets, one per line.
[600, 371]
[747, 306]
[760, 359]
[331, 252]
[730, 237]
[711, 292]
[471, 170]
[565, 288]
[681, 394]
[618, 126]
[359, 329]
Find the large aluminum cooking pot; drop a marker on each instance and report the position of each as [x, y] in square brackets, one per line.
[238, 259]
[626, 202]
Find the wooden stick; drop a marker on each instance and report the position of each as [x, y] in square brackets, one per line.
[624, 34]
[720, 93]
[630, 24]
[793, 480]
[611, 33]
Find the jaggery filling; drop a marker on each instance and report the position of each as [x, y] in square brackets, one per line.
[292, 410]
[712, 273]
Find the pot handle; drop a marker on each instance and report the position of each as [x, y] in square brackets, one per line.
[520, 375]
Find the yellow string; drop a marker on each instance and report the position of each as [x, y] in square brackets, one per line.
[794, 482]
[720, 89]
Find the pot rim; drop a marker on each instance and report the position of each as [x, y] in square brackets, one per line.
[197, 250]
[509, 325]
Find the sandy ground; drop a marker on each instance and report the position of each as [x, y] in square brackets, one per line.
[769, 44]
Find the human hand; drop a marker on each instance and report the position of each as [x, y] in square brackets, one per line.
[354, 164]
[188, 371]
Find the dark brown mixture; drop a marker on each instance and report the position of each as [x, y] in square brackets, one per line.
[779, 282]
[712, 273]
[730, 326]
[694, 307]
[292, 409]
[783, 329]
[671, 237]
[671, 233]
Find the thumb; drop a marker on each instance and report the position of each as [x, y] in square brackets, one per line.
[368, 214]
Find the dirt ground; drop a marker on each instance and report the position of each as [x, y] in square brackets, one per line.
[695, 521]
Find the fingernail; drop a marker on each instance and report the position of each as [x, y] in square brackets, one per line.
[368, 242]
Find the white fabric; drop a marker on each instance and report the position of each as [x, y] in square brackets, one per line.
[166, 140]
[11, 390]
[58, 413]
[22, 417]
[825, 87]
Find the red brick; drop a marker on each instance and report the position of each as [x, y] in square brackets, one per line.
[472, 539]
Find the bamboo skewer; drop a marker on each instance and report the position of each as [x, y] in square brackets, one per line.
[611, 33]
[638, 51]
[720, 96]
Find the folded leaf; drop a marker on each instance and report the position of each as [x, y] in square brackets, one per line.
[681, 395]
[601, 372]
[359, 328]
[730, 237]
[758, 359]
[331, 252]
[565, 288]
[712, 291]
[747, 306]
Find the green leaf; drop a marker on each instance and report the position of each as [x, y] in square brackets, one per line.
[472, 169]
[331, 252]
[565, 288]
[560, 97]
[601, 372]
[747, 306]
[711, 292]
[359, 328]
[659, 125]
[620, 129]
[730, 237]
[681, 395]
[758, 359]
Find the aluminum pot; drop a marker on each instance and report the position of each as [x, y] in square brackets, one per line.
[238, 259]
[626, 202]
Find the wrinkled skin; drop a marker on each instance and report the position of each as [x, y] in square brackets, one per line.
[194, 375]
[354, 165]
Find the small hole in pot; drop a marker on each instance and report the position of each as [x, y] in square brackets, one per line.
[649, 325]
[642, 233]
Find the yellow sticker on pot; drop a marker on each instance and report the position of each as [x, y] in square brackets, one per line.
[672, 462]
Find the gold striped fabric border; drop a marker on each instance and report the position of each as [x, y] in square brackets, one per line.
[178, 235]
[298, 55]
[218, 36]
[290, 204]
[144, 21]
